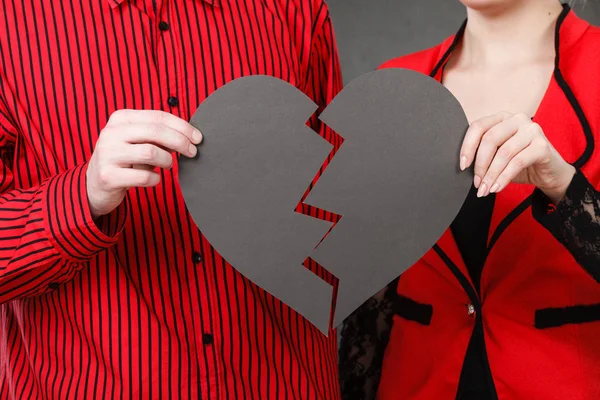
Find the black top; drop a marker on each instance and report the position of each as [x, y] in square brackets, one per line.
[471, 229]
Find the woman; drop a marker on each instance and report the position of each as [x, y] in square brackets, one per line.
[507, 304]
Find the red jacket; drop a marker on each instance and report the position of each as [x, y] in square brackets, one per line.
[530, 284]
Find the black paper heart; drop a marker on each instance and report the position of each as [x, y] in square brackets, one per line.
[395, 181]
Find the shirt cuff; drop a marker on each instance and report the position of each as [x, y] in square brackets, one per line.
[68, 219]
[552, 216]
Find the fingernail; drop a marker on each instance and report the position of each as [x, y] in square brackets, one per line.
[494, 188]
[481, 191]
[197, 136]
[463, 163]
[476, 181]
[193, 150]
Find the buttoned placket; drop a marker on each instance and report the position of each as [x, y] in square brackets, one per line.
[167, 50]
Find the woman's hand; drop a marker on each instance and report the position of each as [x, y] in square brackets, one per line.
[511, 148]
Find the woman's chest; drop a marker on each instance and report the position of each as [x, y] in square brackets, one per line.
[515, 90]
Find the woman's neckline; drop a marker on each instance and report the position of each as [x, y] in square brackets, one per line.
[441, 67]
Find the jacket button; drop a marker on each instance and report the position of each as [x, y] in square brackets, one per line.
[470, 310]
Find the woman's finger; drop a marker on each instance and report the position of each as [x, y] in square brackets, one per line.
[473, 136]
[513, 146]
[491, 141]
[517, 164]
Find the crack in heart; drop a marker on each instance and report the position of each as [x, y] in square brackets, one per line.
[401, 131]
[337, 142]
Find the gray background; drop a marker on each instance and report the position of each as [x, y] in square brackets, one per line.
[370, 32]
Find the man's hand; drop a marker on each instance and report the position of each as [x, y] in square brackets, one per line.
[512, 148]
[129, 148]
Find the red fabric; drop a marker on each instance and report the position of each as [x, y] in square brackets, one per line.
[527, 269]
[126, 309]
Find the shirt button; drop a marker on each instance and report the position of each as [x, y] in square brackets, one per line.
[163, 26]
[196, 257]
[173, 101]
[207, 339]
[470, 310]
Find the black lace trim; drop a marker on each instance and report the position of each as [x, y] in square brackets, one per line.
[364, 337]
[575, 221]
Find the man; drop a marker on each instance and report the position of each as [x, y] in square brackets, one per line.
[107, 288]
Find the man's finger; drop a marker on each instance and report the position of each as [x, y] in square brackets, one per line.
[132, 177]
[160, 135]
[143, 154]
[157, 117]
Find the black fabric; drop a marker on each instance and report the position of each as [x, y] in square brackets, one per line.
[470, 229]
[364, 337]
[412, 310]
[473, 381]
[555, 317]
[574, 222]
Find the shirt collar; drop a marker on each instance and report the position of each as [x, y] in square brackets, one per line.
[116, 3]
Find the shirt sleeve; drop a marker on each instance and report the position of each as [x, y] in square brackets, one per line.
[575, 221]
[364, 338]
[47, 232]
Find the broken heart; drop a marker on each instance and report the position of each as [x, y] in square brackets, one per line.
[395, 181]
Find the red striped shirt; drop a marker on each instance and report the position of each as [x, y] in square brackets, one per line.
[139, 305]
